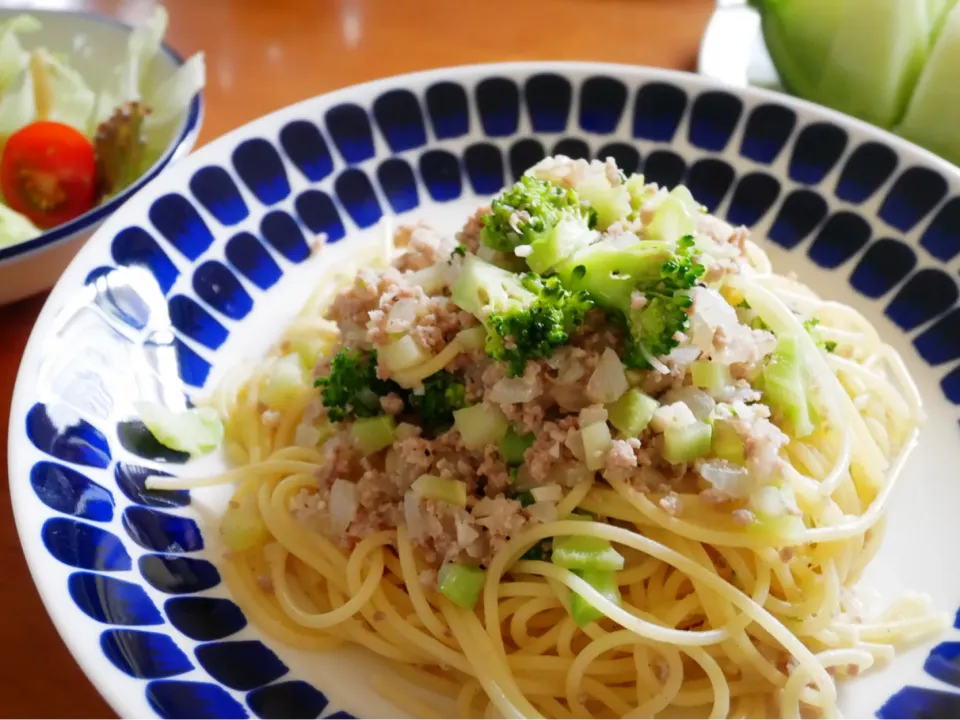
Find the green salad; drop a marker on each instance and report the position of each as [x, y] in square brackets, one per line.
[71, 142]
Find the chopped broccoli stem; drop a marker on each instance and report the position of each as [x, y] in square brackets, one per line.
[582, 552]
[480, 425]
[686, 444]
[461, 583]
[512, 446]
[726, 443]
[710, 376]
[441, 489]
[526, 317]
[373, 434]
[632, 412]
[785, 386]
[605, 583]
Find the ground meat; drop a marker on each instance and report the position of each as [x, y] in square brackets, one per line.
[469, 235]
[351, 308]
[714, 496]
[762, 440]
[369, 520]
[621, 456]
[381, 326]
[550, 451]
[445, 533]
[671, 504]
[655, 383]
[494, 470]
[525, 416]
[425, 246]
[502, 518]
[415, 457]
[440, 322]
[566, 376]
[392, 404]
[341, 460]
[307, 507]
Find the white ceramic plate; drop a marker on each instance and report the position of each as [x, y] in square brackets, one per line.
[200, 269]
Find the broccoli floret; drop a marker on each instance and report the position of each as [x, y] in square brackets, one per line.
[119, 148]
[549, 218]
[353, 389]
[811, 327]
[612, 272]
[443, 392]
[526, 316]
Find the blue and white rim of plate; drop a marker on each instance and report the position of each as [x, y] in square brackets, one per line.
[180, 145]
[335, 164]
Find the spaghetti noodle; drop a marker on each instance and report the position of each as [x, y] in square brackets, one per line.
[734, 596]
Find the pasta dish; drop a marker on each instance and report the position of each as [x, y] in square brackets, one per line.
[589, 457]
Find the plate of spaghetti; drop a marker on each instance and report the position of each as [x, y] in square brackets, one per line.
[531, 390]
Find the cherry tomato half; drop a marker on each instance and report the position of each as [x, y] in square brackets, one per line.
[48, 173]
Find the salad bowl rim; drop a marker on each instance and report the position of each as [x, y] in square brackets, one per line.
[180, 145]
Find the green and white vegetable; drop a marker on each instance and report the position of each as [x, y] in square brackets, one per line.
[461, 583]
[889, 62]
[196, 431]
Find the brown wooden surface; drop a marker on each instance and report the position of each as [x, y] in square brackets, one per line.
[261, 56]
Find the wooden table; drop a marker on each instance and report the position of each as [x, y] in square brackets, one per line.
[261, 59]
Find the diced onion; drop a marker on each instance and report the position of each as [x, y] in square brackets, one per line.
[700, 404]
[465, 534]
[684, 355]
[732, 480]
[403, 353]
[413, 515]
[472, 338]
[402, 315]
[543, 511]
[608, 382]
[307, 436]
[508, 391]
[593, 414]
[480, 425]
[547, 493]
[574, 443]
[771, 502]
[676, 414]
[572, 475]
[344, 503]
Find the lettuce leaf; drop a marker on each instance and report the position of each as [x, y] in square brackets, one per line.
[13, 57]
[15, 228]
[160, 103]
[62, 95]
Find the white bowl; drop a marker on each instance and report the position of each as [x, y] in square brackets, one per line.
[94, 43]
